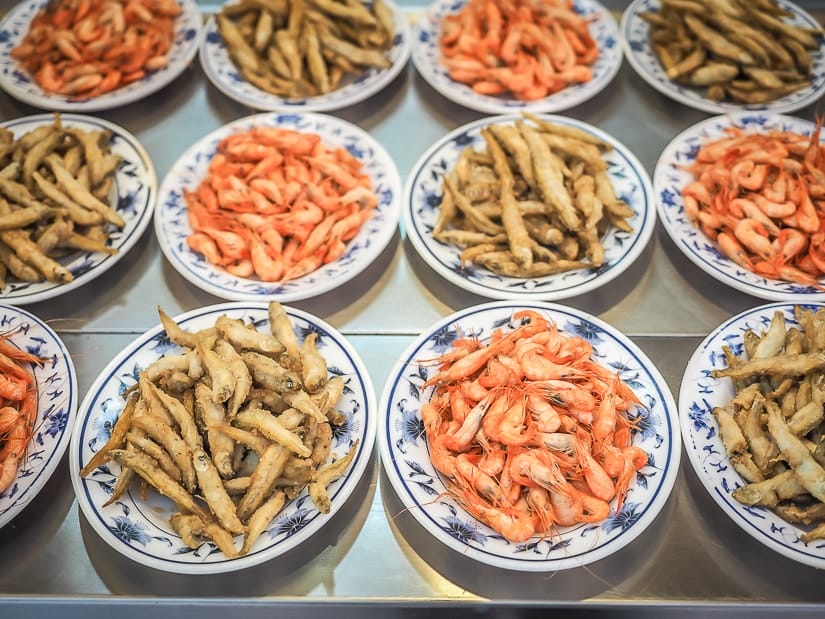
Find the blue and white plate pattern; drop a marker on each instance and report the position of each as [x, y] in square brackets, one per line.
[224, 74]
[133, 196]
[172, 225]
[423, 194]
[426, 57]
[20, 85]
[406, 460]
[57, 399]
[636, 42]
[669, 179]
[140, 529]
[698, 395]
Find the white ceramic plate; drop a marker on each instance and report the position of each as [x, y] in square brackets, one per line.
[698, 395]
[140, 529]
[224, 75]
[636, 42]
[20, 85]
[405, 456]
[427, 59]
[57, 399]
[423, 194]
[670, 178]
[134, 193]
[172, 225]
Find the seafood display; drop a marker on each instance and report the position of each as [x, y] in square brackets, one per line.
[277, 204]
[760, 195]
[292, 206]
[751, 412]
[56, 187]
[528, 436]
[18, 408]
[530, 432]
[773, 428]
[740, 50]
[537, 201]
[230, 428]
[305, 48]
[85, 48]
[38, 404]
[525, 49]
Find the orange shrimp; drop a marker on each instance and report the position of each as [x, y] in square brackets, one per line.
[556, 450]
[122, 43]
[517, 47]
[257, 205]
[18, 414]
[757, 196]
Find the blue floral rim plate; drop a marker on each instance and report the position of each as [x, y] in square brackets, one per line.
[20, 85]
[405, 457]
[423, 193]
[224, 75]
[140, 529]
[134, 193]
[636, 42]
[172, 225]
[669, 179]
[426, 57]
[698, 395]
[57, 398]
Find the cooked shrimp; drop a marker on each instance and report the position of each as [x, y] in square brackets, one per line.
[507, 441]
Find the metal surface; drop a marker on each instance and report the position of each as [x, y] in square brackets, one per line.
[373, 559]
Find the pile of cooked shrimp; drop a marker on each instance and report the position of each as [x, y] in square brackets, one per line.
[278, 204]
[18, 408]
[518, 47]
[86, 48]
[761, 197]
[773, 428]
[530, 432]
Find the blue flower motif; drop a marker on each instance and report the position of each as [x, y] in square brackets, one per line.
[699, 416]
[129, 531]
[625, 519]
[289, 525]
[585, 330]
[463, 531]
[103, 424]
[342, 433]
[214, 38]
[443, 339]
[410, 424]
[56, 423]
[667, 197]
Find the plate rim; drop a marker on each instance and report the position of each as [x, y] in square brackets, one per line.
[384, 240]
[659, 171]
[490, 105]
[642, 240]
[45, 101]
[151, 180]
[382, 79]
[653, 510]
[362, 460]
[703, 103]
[63, 442]
[687, 433]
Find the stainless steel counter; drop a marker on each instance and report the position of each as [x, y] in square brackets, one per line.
[373, 559]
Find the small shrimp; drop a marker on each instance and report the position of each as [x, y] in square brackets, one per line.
[752, 235]
[484, 484]
[516, 525]
[733, 250]
[461, 439]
